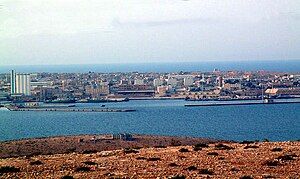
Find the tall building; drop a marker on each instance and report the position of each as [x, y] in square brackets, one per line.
[20, 83]
[23, 84]
[12, 82]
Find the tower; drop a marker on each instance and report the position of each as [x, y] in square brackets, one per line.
[12, 82]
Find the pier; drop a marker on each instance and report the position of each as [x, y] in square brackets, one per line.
[240, 104]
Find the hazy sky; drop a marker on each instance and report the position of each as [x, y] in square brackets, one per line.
[129, 31]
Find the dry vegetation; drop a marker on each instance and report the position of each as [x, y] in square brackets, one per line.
[214, 160]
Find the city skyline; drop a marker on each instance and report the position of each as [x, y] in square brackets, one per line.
[97, 32]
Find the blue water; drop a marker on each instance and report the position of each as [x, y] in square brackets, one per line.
[165, 117]
[252, 65]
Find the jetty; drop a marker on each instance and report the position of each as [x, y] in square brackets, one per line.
[73, 109]
[240, 103]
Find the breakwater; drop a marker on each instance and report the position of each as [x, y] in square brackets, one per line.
[73, 110]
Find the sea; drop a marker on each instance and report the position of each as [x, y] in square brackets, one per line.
[275, 122]
[203, 66]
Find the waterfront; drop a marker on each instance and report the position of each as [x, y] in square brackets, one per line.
[160, 117]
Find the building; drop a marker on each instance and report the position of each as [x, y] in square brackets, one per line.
[20, 83]
[188, 81]
[157, 82]
[232, 84]
[23, 84]
[97, 90]
[138, 82]
[161, 90]
[12, 82]
[172, 82]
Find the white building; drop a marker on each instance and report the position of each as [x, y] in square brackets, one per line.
[188, 81]
[157, 82]
[138, 82]
[172, 81]
[20, 83]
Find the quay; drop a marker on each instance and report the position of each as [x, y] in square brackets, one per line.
[241, 104]
[72, 109]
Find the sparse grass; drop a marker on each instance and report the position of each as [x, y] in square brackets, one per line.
[9, 169]
[206, 171]
[183, 150]
[37, 162]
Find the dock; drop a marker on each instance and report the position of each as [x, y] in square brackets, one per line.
[73, 110]
[240, 104]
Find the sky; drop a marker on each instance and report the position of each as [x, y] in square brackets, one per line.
[42, 32]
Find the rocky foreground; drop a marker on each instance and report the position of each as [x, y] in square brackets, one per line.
[203, 160]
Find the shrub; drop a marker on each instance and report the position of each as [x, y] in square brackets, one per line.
[223, 147]
[9, 169]
[202, 145]
[67, 177]
[197, 148]
[183, 150]
[153, 159]
[160, 146]
[141, 158]
[130, 151]
[272, 163]
[192, 168]
[251, 147]
[213, 153]
[37, 162]
[89, 151]
[90, 163]
[173, 165]
[175, 143]
[287, 157]
[206, 171]
[246, 177]
[276, 149]
[82, 169]
[247, 142]
[177, 177]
